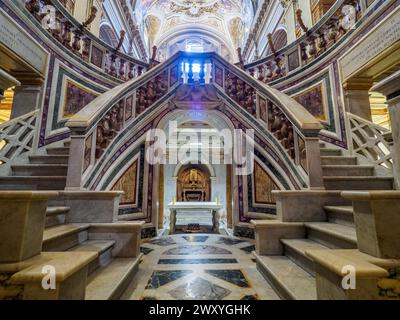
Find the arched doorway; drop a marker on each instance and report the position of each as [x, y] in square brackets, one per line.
[193, 184]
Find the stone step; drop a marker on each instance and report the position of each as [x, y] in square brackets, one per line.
[109, 282]
[295, 249]
[49, 159]
[339, 161]
[56, 216]
[340, 214]
[331, 152]
[288, 279]
[58, 150]
[347, 170]
[33, 183]
[358, 183]
[102, 247]
[64, 237]
[332, 235]
[40, 170]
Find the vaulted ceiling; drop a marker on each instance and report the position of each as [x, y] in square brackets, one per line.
[208, 25]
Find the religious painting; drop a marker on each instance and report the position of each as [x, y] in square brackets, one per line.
[263, 186]
[262, 103]
[129, 108]
[194, 184]
[219, 76]
[97, 57]
[128, 183]
[88, 152]
[313, 100]
[76, 98]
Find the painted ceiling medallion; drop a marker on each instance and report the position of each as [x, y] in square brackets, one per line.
[195, 8]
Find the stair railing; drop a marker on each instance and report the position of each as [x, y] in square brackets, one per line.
[76, 39]
[371, 141]
[340, 19]
[94, 128]
[17, 137]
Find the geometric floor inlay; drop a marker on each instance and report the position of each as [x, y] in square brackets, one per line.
[163, 242]
[233, 276]
[229, 241]
[195, 238]
[198, 266]
[196, 261]
[160, 278]
[199, 289]
[196, 249]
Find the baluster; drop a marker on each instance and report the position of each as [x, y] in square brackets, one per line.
[260, 72]
[131, 74]
[190, 74]
[32, 6]
[139, 71]
[66, 35]
[252, 71]
[76, 44]
[322, 42]
[122, 69]
[312, 50]
[86, 49]
[113, 68]
[303, 53]
[202, 73]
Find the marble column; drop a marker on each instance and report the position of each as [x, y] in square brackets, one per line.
[356, 93]
[390, 87]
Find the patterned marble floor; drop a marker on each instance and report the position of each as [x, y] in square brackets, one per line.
[198, 267]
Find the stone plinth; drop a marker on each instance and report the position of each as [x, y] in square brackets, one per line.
[22, 218]
[268, 234]
[377, 219]
[70, 275]
[372, 278]
[127, 237]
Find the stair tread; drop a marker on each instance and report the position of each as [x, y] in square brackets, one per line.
[357, 178]
[302, 245]
[63, 230]
[298, 283]
[346, 166]
[33, 177]
[337, 230]
[39, 165]
[93, 245]
[103, 282]
[56, 210]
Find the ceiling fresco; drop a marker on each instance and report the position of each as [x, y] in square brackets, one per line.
[226, 22]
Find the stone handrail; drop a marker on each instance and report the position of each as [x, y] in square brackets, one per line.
[96, 125]
[75, 38]
[340, 19]
[17, 137]
[371, 141]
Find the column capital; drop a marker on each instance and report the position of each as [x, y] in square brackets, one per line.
[390, 87]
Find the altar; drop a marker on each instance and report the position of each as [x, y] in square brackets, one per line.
[214, 209]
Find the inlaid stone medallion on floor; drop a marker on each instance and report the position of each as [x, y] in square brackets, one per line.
[198, 267]
[199, 289]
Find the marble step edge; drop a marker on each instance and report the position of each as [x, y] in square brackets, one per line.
[110, 282]
[102, 247]
[289, 280]
[331, 229]
[345, 210]
[56, 210]
[296, 249]
[58, 232]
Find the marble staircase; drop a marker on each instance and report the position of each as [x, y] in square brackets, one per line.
[289, 269]
[112, 267]
[43, 172]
